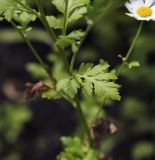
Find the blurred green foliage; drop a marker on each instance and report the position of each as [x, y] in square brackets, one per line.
[76, 150]
[12, 120]
[143, 150]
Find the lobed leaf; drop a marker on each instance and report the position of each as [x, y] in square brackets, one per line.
[74, 149]
[11, 10]
[69, 86]
[56, 23]
[70, 39]
[93, 80]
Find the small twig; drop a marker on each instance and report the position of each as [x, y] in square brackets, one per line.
[130, 49]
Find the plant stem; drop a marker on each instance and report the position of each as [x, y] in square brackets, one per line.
[35, 53]
[44, 20]
[75, 54]
[27, 8]
[65, 18]
[125, 59]
[106, 9]
[84, 122]
[128, 53]
[60, 52]
[99, 111]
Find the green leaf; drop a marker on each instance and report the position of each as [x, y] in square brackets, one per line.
[70, 40]
[24, 18]
[51, 94]
[85, 67]
[60, 5]
[74, 149]
[36, 70]
[69, 86]
[58, 69]
[77, 14]
[74, 4]
[11, 10]
[64, 41]
[133, 64]
[76, 35]
[73, 11]
[106, 89]
[93, 80]
[98, 69]
[97, 80]
[74, 47]
[56, 23]
[87, 87]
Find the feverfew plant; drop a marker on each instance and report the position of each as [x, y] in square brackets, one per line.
[91, 85]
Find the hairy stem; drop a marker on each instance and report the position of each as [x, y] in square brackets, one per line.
[125, 59]
[35, 53]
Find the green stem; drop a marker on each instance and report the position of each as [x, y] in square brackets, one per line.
[84, 122]
[35, 53]
[128, 53]
[27, 8]
[42, 17]
[58, 50]
[106, 9]
[44, 20]
[75, 54]
[65, 19]
[99, 111]
[125, 59]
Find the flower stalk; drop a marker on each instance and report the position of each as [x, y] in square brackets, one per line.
[125, 59]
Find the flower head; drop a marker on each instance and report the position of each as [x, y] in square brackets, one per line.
[141, 9]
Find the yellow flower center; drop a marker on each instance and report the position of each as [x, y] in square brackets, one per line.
[144, 11]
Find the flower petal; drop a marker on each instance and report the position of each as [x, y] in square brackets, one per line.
[153, 8]
[149, 3]
[129, 7]
[130, 14]
[139, 17]
[153, 14]
[133, 5]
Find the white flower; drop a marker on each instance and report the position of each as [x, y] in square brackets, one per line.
[141, 9]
